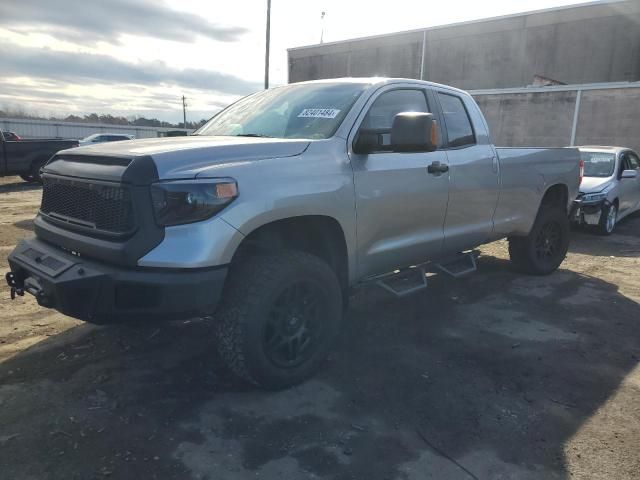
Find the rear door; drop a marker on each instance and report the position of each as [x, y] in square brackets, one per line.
[474, 175]
[400, 207]
[17, 156]
[631, 186]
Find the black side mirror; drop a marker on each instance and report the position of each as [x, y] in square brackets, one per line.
[368, 141]
[414, 132]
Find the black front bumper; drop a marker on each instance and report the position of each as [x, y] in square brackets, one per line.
[100, 293]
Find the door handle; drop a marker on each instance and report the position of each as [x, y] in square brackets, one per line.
[436, 168]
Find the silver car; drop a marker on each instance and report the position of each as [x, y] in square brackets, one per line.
[610, 188]
[105, 137]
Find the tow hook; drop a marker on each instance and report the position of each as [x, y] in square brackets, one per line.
[17, 287]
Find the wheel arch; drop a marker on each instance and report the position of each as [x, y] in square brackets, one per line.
[556, 195]
[320, 235]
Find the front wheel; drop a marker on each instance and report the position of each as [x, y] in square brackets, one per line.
[278, 318]
[543, 250]
[608, 219]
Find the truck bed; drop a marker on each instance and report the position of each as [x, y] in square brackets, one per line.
[526, 173]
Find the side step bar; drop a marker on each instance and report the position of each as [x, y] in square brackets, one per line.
[413, 279]
[459, 266]
[404, 282]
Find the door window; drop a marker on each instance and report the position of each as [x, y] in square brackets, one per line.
[379, 119]
[634, 163]
[456, 120]
[388, 105]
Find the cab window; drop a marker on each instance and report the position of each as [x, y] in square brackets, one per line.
[379, 119]
[457, 121]
[389, 104]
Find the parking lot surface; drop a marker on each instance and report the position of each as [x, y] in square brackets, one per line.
[494, 376]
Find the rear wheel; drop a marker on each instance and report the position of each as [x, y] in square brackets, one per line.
[543, 250]
[27, 177]
[278, 318]
[608, 219]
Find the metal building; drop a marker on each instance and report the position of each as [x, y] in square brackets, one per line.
[588, 43]
[31, 128]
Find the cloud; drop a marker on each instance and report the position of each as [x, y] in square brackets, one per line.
[82, 68]
[89, 21]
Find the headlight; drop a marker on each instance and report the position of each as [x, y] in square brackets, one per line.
[188, 201]
[594, 197]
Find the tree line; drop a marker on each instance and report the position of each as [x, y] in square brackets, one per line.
[102, 118]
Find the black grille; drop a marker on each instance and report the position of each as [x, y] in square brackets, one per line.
[91, 205]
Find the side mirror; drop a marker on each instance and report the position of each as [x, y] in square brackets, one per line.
[414, 132]
[629, 174]
[368, 141]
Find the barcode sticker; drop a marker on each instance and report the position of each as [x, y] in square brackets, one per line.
[319, 113]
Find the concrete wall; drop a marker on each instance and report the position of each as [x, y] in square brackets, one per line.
[610, 117]
[28, 128]
[529, 119]
[606, 115]
[581, 44]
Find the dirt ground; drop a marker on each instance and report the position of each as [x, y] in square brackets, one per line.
[494, 376]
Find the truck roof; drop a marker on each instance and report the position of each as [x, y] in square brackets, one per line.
[380, 81]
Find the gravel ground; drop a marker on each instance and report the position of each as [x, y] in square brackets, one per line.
[494, 376]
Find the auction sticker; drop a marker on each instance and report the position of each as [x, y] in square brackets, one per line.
[319, 113]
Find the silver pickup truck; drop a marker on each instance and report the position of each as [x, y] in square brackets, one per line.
[274, 210]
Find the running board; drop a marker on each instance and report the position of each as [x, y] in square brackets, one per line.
[413, 279]
[404, 282]
[460, 265]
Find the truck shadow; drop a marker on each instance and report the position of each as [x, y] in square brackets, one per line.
[624, 242]
[25, 224]
[493, 374]
[19, 186]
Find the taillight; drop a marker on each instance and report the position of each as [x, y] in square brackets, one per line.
[581, 171]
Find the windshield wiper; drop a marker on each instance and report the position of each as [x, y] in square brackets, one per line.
[258, 135]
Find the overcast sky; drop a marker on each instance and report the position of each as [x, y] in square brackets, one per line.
[138, 57]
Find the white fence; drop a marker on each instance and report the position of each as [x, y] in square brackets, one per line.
[28, 128]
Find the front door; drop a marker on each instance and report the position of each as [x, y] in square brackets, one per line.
[634, 164]
[400, 207]
[629, 196]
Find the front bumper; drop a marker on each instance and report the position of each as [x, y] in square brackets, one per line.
[587, 213]
[99, 293]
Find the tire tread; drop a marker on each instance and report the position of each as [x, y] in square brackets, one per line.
[242, 295]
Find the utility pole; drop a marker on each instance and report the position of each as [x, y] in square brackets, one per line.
[322, 26]
[184, 112]
[266, 53]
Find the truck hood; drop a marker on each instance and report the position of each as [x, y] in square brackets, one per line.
[594, 184]
[186, 157]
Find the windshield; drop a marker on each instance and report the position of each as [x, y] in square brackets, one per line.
[312, 111]
[90, 137]
[598, 164]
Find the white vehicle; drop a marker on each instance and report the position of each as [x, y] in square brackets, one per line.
[105, 137]
[610, 189]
